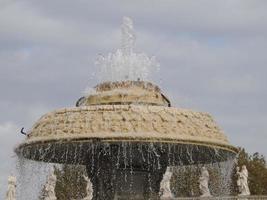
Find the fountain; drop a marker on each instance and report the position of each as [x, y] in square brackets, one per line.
[126, 133]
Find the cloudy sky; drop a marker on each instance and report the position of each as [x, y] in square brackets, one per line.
[212, 56]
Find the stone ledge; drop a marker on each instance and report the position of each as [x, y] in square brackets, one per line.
[129, 122]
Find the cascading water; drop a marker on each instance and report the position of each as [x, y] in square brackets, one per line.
[126, 134]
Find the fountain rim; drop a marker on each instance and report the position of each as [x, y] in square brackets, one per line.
[110, 85]
[144, 140]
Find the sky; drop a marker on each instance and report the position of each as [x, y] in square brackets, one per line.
[212, 57]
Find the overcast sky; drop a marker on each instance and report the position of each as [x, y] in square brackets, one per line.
[212, 56]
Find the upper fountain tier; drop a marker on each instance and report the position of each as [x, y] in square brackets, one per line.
[133, 111]
[125, 92]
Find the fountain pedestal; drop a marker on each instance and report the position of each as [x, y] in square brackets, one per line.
[126, 184]
[126, 172]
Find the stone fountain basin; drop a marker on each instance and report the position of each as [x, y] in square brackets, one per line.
[181, 136]
[141, 153]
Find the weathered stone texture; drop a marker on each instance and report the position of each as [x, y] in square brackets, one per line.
[126, 92]
[136, 122]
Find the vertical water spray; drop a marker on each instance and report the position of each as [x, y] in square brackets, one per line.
[128, 37]
[125, 63]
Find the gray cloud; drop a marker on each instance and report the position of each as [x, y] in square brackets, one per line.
[212, 56]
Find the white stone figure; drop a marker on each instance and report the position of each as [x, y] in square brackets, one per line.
[204, 183]
[243, 181]
[127, 36]
[49, 190]
[11, 188]
[238, 181]
[89, 189]
[165, 185]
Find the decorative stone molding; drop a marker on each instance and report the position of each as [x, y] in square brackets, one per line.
[133, 121]
[126, 92]
[128, 122]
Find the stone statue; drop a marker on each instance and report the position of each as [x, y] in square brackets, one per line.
[204, 183]
[128, 36]
[49, 190]
[165, 185]
[11, 188]
[242, 181]
[238, 181]
[89, 189]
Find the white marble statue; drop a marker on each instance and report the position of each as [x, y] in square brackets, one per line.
[11, 188]
[89, 189]
[242, 181]
[165, 185]
[204, 183]
[238, 182]
[49, 190]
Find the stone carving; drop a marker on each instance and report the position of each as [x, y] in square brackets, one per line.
[89, 189]
[204, 183]
[49, 190]
[238, 183]
[11, 188]
[165, 185]
[242, 181]
[129, 121]
[126, 92]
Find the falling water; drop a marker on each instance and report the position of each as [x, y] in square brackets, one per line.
[31, 178]
[124, 158]
[185, 179]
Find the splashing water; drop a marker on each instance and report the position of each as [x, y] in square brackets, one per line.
[124, 63]
[127, 167]
[30, 184]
